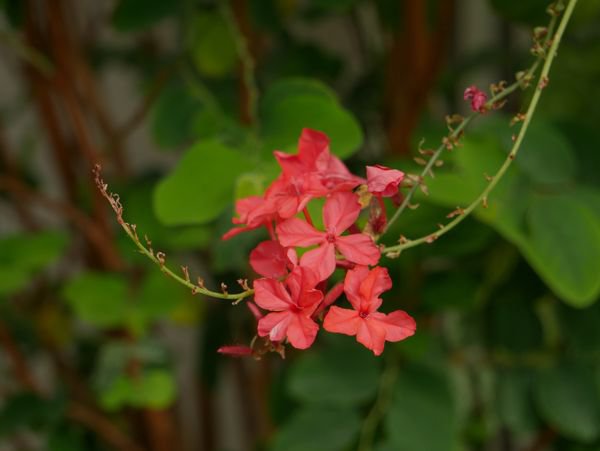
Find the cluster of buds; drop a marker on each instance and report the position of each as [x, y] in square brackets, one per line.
[293, 298]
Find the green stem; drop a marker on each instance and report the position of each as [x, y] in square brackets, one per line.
[482, 198]
[380, 407]
[461, 127]
[158, 258]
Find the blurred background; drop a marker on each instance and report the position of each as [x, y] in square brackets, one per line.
[182, 102]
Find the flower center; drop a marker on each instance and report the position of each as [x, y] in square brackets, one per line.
[330, 238]
[363, 314]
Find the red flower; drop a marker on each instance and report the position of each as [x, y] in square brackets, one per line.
[372, 328]
[271, 259]
[292, 305]
[383, 181]
[289, 194]
[477, 98]
[340, 211]
[253, 212]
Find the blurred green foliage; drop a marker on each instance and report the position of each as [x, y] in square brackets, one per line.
[508, 343]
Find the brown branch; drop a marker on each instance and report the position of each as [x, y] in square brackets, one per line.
[18, 361]
[140, 113]
[102, 426]
[12, 170]
[415, 59]
[79, 219]
[542, 440]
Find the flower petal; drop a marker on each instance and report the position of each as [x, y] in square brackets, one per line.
[340, 212]
[341, 321]
[269, 259]
[372, 335]
[270, 294]
[358, 248]
[296, 232]
[301, 280]
[383, 181]
[301, 331]
[275, 325]
[398, 325]
[321, 260]
[313, 148]
[374, 284]
[352, 282]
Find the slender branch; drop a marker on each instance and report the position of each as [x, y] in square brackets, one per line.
[78, 218]
[137, 117]
[250, 88]
[159, 258]
[380, 407]
[454, 135]
[26, 52]
[482, 198]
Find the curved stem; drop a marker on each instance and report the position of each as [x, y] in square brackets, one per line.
[481, 199]
[158, 258]
[456, 133]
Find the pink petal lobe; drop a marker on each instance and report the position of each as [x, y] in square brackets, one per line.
[269, 259]
[302, 331]
[235, 231]
[270, 294]
[321, 260]
[372, 335]
[383, 181]
[295, 232]
[275, 325]
[342, 321]
[313, 147]
[352, 282]
[301, 280]
[358, 248]
[290, 164]
[398, 325]
[340, 212]
[375, 283]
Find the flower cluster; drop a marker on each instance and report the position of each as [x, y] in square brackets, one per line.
[294, 289]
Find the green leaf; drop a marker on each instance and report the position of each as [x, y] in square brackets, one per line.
[567, 398]
[531, 12]
[456, 290]
[513, 401]
[564, 247]
[23, 254]
[100, 299]
[545, 157]
[154, 388]
[32, 251]
[423, 412]
[138, 210]
[27, 410]
[299, 104]
[172, 118]
[201, 186]
[212, 45]
[135, 15]
[339, 375]
[159, 296]
[318, 429]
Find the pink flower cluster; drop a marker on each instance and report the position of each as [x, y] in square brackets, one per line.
[294, 290]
